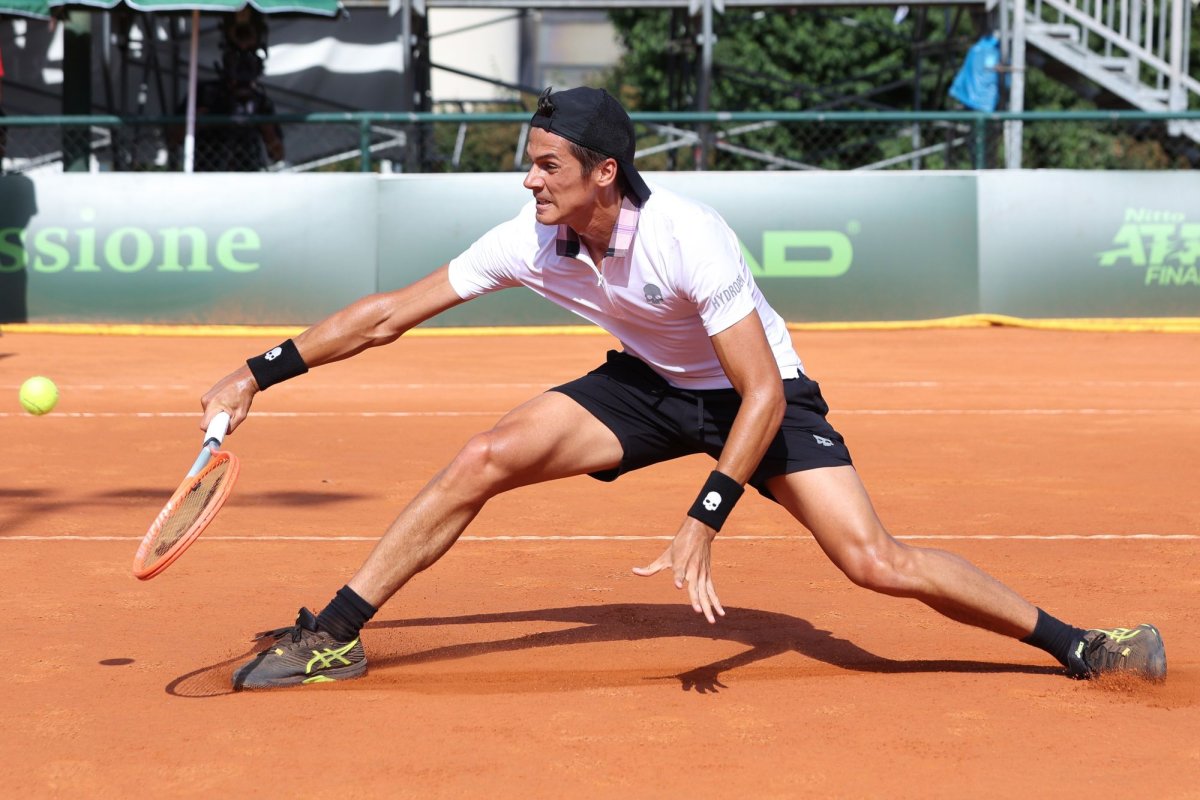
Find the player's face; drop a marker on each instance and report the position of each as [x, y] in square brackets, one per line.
[563, 193]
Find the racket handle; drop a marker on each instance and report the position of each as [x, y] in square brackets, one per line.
[217, 429]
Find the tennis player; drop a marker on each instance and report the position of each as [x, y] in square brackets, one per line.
[706, 366]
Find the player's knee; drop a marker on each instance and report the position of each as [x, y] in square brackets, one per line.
[480, 468]
[880, 568]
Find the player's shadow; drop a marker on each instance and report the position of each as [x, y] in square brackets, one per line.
[764, 634]
[295, 499]
[30, 504]
[20, 505]
[157, 495]
[22, 494]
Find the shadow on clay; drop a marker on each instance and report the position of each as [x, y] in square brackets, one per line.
[765, 634]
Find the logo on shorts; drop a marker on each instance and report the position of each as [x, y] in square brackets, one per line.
[273, 353]
[712, 501]
[821, 440]
[654, 294]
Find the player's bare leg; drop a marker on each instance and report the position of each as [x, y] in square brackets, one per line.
[832, 503]
[549, 437]
[546, 438]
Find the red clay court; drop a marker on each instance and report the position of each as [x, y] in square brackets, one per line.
[530, 662]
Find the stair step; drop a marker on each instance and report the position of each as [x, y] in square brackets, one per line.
[1120, 74]
[1188, 129]
[1061, 31]
[1114, 64]
[1153, 95]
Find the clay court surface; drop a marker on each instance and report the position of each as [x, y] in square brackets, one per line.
[530, 661]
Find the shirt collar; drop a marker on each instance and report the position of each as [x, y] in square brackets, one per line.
[567, 241]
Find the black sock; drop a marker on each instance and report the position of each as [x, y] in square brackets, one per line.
[345, 615]
[1054, 636]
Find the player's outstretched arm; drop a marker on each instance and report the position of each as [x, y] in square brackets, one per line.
[374, 320]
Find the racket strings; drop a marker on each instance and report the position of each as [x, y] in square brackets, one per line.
[191, 508]
[185, 516]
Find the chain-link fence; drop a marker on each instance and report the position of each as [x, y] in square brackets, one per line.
[494, 142]
[220, 145]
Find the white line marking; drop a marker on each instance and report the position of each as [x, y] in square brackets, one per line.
[173, 387]
[832, 384]
[280, 414]
[908, 412]
[878, 412]
[1054, 537]
[937, 384]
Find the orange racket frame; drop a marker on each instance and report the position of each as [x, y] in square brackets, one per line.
[210, 459]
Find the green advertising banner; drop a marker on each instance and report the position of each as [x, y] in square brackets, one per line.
[290, 249]
[823, 246]
[1090, 244]
[244, 249]
[850, 246]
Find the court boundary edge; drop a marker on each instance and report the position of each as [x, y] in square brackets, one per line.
[747, 537]
[1093, 325]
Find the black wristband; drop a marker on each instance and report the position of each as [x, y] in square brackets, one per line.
[277, 365]
[717, 498]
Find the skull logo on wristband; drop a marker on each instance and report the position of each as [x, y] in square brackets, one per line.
[717, 498]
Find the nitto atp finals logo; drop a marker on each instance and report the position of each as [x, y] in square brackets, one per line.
[1163, 243]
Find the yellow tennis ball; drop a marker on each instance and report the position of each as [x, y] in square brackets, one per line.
[39, 395]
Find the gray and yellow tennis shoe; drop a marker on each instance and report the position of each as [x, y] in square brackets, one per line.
[301, 654]
[1138, 650]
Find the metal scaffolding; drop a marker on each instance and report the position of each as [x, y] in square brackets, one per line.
[701, 15]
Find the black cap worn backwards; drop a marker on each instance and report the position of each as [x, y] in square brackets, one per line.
[594, 119]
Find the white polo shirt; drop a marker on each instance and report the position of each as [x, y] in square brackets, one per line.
[681, 280]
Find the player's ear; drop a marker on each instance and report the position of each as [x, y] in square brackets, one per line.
[605, 174]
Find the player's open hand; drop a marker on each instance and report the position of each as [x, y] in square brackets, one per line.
[689, 558]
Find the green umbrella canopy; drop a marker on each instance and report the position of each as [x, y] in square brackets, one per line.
[26, 8]
[328, 8]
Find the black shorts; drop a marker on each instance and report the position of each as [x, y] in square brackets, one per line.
[656, 422]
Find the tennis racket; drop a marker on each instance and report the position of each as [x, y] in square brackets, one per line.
[193, 505]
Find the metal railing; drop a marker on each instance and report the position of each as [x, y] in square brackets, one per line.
[494, 142]
[1142, 40]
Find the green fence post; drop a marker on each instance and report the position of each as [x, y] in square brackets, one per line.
[980, 130]
[364, 144]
